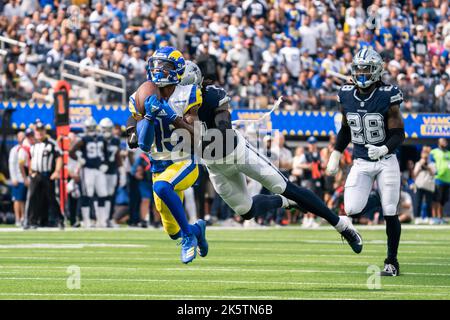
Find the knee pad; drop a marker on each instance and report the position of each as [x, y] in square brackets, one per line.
[279, 188]
[243, 211]
[353, 209]
[161, 188]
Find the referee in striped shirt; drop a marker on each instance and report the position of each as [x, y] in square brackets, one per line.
[46, 164]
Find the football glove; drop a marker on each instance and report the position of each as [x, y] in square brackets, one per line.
[375, 152]
[333, 163]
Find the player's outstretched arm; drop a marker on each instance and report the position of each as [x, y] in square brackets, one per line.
[342, 140]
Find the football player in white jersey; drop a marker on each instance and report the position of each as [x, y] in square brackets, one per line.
[231, 158]
[373, 123]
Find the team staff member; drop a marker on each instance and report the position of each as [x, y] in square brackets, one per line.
[18, 188]
[45, 167]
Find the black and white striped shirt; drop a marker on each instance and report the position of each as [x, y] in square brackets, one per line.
[44, 155]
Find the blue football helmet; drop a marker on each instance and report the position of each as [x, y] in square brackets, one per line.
[165, 66]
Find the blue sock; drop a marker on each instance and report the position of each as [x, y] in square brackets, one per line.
[261, 204]
[165, 191]
[146, 132]
[310, 202]
[196, 230]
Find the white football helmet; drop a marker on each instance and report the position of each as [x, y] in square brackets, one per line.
[367, 67]
[106, 126]
[90, 126]
[192, 74]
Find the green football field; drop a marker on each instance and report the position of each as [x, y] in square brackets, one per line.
[266, 263]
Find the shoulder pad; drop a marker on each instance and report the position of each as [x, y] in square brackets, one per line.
[394, 94]
[344, 90]
[216, 95]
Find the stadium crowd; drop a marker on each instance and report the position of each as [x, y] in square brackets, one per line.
[257, 49]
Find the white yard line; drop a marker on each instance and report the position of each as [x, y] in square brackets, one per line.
[378, 227]
[294, 283]
[231, 269]
[69, 245]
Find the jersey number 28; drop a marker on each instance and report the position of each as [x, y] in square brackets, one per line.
[366, 129]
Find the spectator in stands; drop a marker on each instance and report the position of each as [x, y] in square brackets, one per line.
[425, 185]
[442, 94]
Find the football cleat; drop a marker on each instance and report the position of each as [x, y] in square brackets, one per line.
[188, 248]
[202, 248]
[390, 269]
[353, 238]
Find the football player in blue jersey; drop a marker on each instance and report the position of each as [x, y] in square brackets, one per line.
[372, 121]
[113, 161]
[89, 152]
[233, 159]
[158, 105]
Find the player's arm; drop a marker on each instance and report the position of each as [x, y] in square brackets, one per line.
[343, 138]
[76, 147]
[395, 133]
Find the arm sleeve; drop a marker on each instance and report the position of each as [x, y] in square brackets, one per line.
[396, 138]
[343, 139]
[146, 133]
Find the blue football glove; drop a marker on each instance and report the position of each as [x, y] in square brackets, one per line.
[166, 112]
[152, 106]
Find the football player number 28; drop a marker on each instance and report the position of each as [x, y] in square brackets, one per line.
[366, 129]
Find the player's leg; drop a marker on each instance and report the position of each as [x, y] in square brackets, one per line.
[178, 177]
[389, 181]
[111, 184]
[258, 167]
[101, 190]
[87, 193]
[231, 186]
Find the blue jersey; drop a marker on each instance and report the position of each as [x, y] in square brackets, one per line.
[93, 151]
[367, 116]
[112, 148]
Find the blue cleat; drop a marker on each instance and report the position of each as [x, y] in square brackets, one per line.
[188, 248]
[202, 243]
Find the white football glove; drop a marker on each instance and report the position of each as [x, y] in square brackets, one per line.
[103, 168]
[333, 163]
[81, 161]
[375, 152]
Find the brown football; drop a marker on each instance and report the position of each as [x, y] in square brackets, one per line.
[145, 90]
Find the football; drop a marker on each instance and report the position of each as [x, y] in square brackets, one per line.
[145, 90]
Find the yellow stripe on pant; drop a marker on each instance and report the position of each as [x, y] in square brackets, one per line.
[181, 175]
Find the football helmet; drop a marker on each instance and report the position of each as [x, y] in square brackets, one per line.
[90, 126]
[106, 126]
[367, 67]
[165, 66]
[192, 74]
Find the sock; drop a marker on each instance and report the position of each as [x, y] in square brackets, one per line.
[342, 224]
[100, 215]
[310, 202]
[85, 212]
[165, 191]
[393, 231]
[107, 208]
[146, 132]
[263, 203]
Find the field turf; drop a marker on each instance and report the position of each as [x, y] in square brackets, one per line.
[266, 263]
